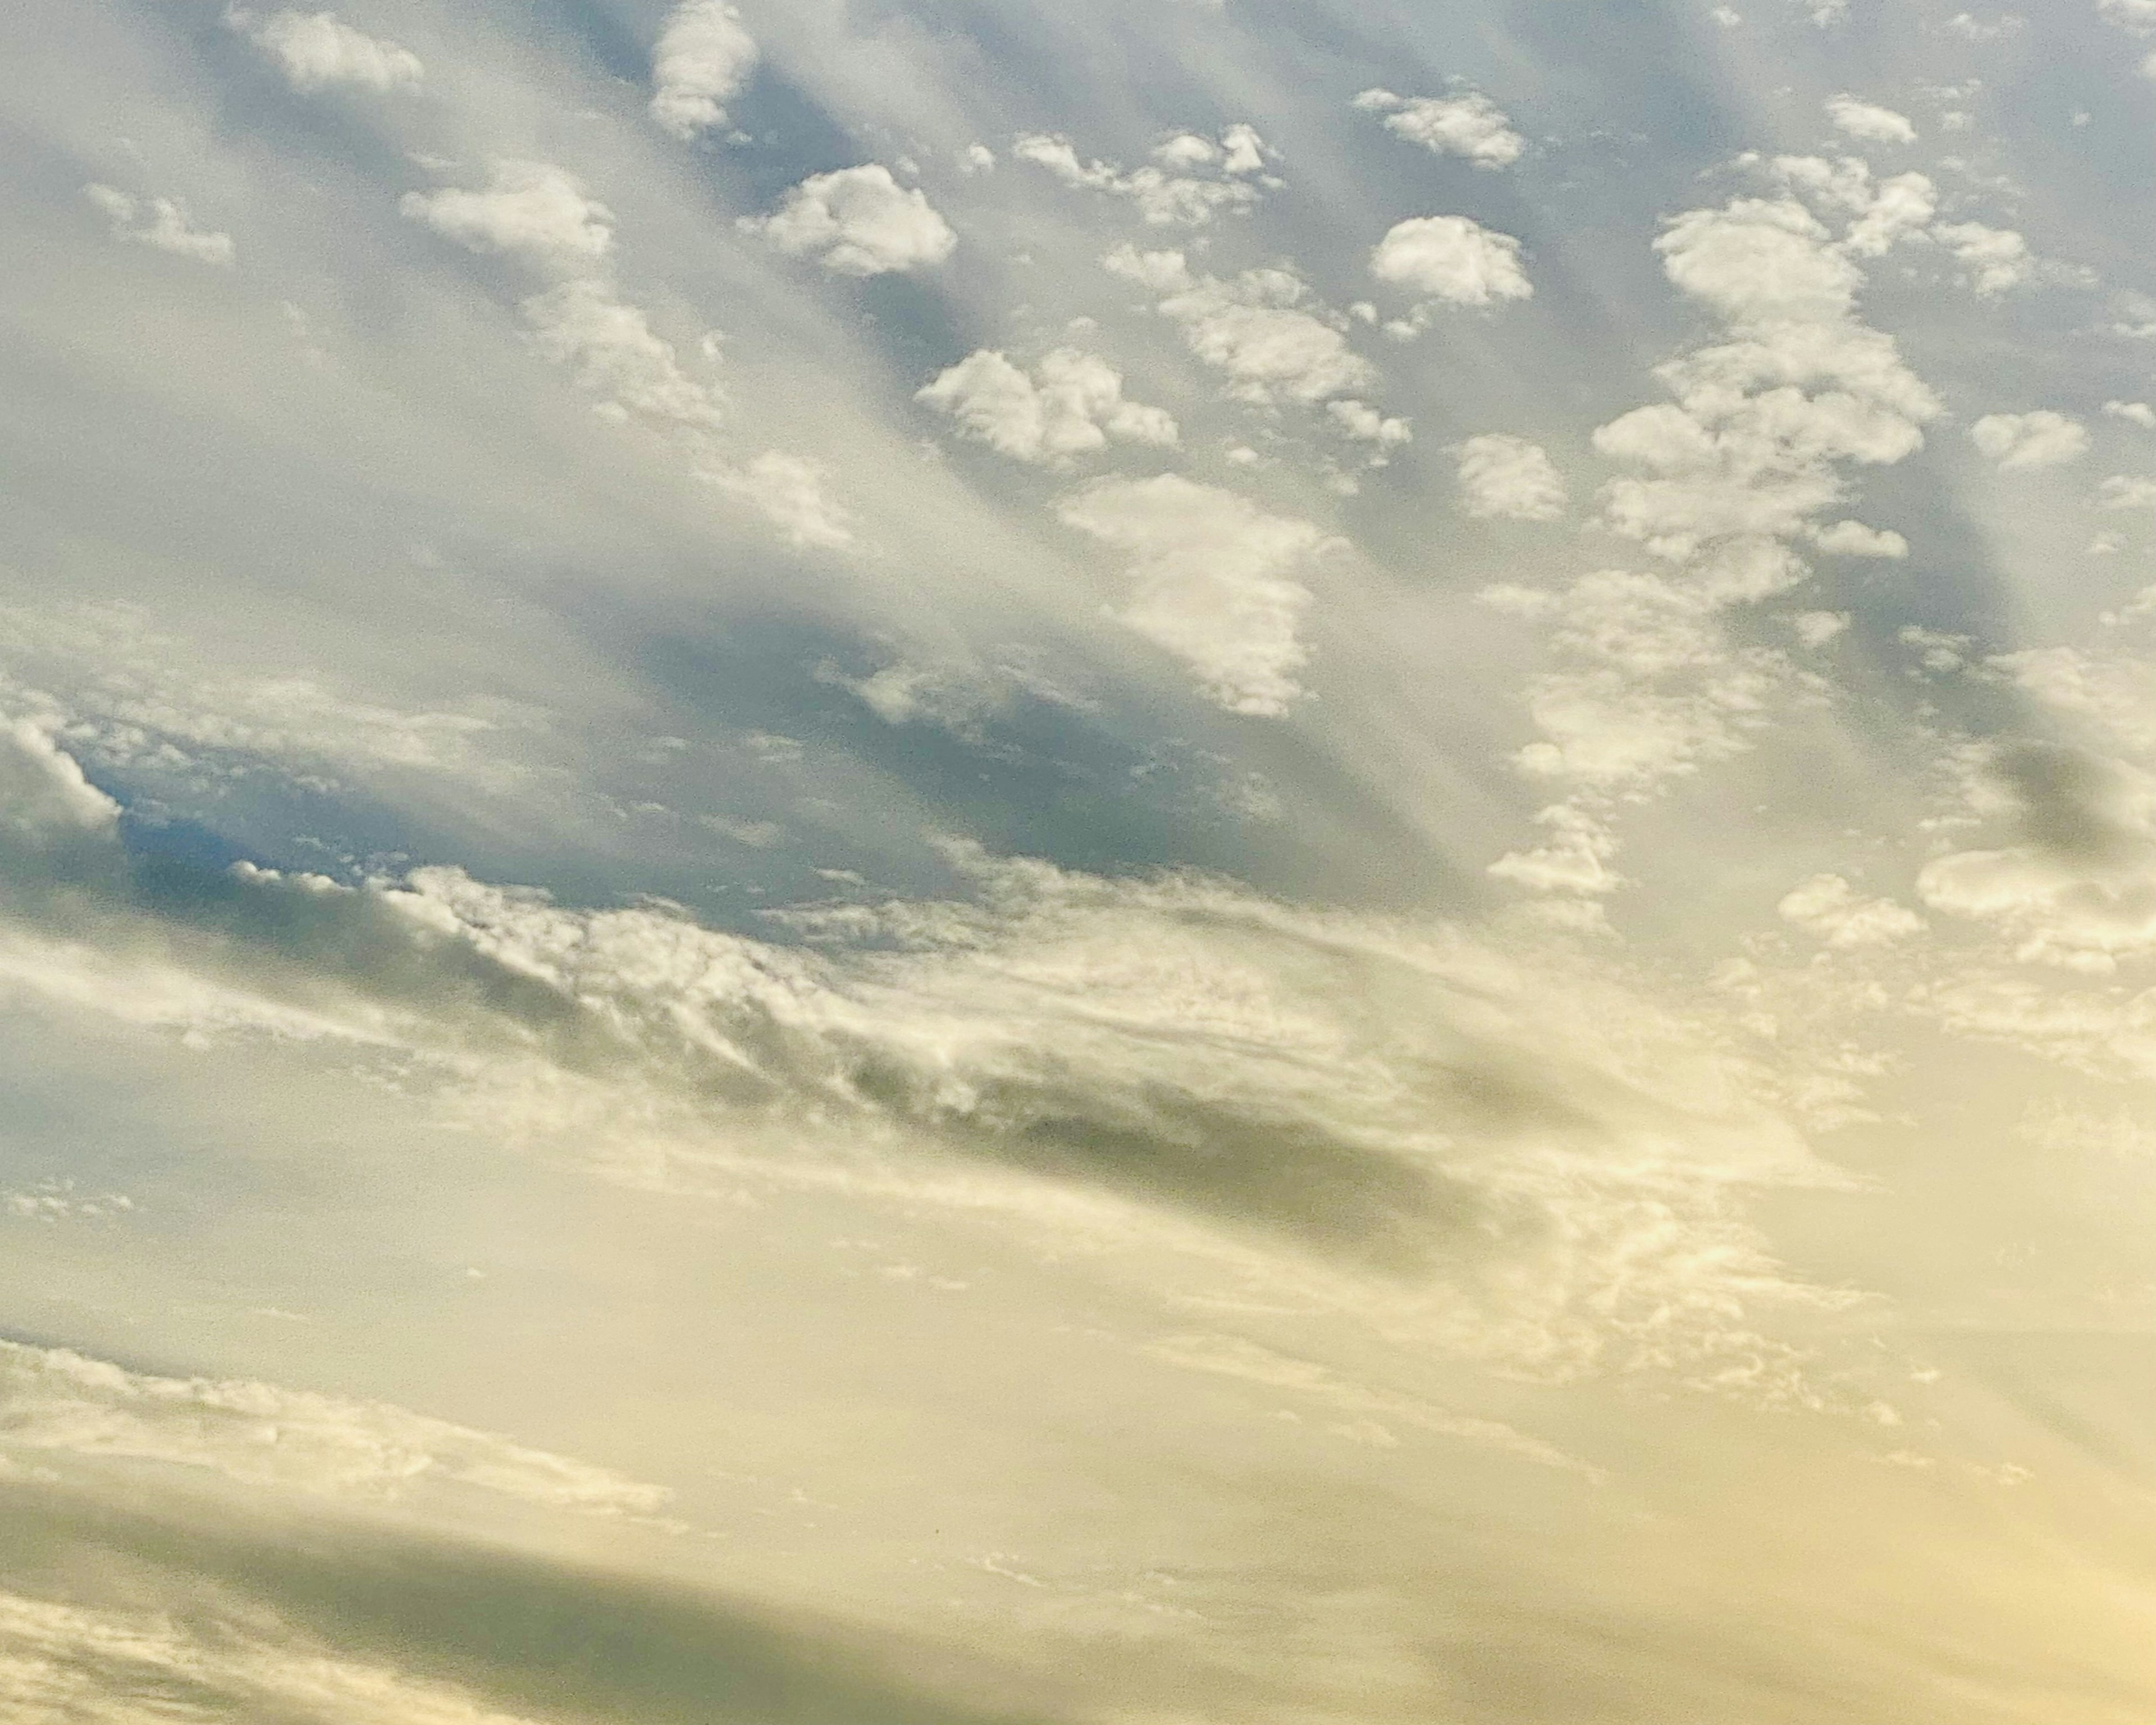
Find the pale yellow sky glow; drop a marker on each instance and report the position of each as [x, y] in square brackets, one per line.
[954, 862]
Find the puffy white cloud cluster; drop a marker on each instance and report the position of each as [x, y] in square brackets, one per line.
[1828, 907]
[160, 223]
[1997, 259]
[2018, 441]
[318, 50]
[703, 57]
[540, 216]
[1215, 582]
[857, 222]
[1868, 121]
[1509, 478]
[1450, 260]
[1071, 404]
[1471, 125]
[532, 211]
[1274, 339]
[1725, 479]
[1190, 179]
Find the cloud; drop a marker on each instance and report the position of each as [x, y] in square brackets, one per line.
[1829, 908]
[1263, 328]
[1874, 125]
[1998, 257]
[2134, 412]
[1071, 405]
[1853, 539]
[318, 51]
[1647, 686]
[111, 1667]
[615, 355]
[2078, 888]
[1453, 260]
[1508, 477]
[160, 223]
[42, 788]
[1472, 125]
[859, 222]
[1190, 180]
[55, 1401]
[2021, 442]
[703, 57]
[531, 210]
[1365, 424]
[1215, 582]
[2127, 491]
[2138, 16]
[792, 493]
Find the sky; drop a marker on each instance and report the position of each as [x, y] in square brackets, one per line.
[961, 862]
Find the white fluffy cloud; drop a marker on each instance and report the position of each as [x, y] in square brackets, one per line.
[1508, 476]
[1190, 179]
[2134, 412]
[318, 50]
[160, 223]
[858, 221]
[1071, 404]
[1472, 125]
[617, 357]
[702, 58]
[531, 210]
[1853, 539]
[1828, 907]
[1274, 339]
[1873, 124]
[2019, 442]
[1453, 260]
[1215, 579]
[1998, 258]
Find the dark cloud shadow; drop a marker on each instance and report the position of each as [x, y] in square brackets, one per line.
[550, 1639]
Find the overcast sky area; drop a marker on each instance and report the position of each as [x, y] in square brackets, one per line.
[1161, 862]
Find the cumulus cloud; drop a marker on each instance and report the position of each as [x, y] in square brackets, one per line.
[1998, 258]
[1365, 424]
[1508, 477]
[1265, 328]
[1452, 259]
[2134, 412]
[859, 222]
[1216, 583]
[161, 222]
[1070, 404]
[1727, 478]
[2019, 442]
[1190, 179]
[791, 492]
[1873, 124]
[614, 353]
[2126, 491]
[318, 50]
[1829, 908]
[703, 57]
[530, 210]
[1853, 539]
[1472, 125]
[43, 789]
